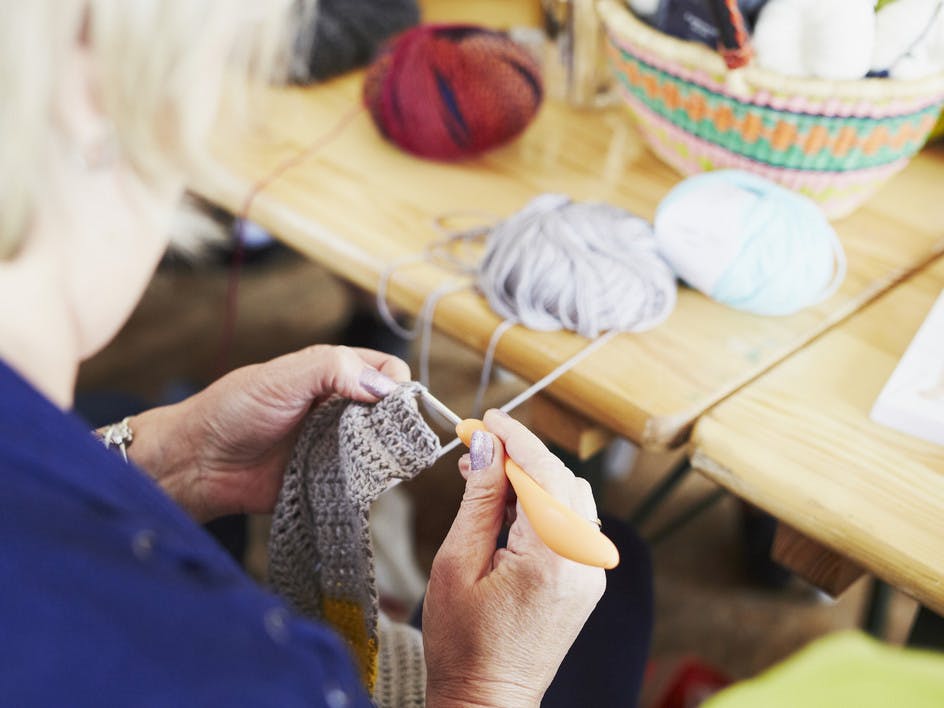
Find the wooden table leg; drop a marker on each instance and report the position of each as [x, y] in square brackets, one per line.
[570, 431]
[927, 631]
[813, 561]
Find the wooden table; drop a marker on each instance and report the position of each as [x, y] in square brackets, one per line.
[359, 204]
[798, 442]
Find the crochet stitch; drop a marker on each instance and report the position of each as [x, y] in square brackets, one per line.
[320, 554]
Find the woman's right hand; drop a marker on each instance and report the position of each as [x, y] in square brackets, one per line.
[498, 623]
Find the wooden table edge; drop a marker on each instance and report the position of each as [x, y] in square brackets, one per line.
[704, 463]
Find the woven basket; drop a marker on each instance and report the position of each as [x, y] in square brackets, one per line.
[834, 141]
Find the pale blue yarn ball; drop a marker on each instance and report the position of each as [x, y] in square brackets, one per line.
[749, 243]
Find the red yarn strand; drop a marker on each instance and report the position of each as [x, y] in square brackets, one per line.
[231, 310]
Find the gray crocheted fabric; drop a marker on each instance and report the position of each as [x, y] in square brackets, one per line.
[320, 554]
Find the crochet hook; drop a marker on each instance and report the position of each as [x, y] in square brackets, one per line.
[561, 528]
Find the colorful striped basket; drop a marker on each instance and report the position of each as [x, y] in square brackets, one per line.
[834, 141]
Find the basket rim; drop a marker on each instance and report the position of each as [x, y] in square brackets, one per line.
[623, 23]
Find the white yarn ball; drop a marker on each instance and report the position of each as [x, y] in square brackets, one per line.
[702, 231]
[644, 8]
[749, 243]
[926, 59]
[909, 39]
[588, 268]
[827, 39]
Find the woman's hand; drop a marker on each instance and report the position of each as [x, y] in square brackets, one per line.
[497, 623]
[224, 450]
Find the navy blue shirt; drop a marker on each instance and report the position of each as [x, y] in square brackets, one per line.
[111, 595]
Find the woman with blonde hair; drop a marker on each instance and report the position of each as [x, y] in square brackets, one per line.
[111, 593]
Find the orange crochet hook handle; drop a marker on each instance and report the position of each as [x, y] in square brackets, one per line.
[561, 528]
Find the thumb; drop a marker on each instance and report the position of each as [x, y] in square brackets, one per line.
[470, 543]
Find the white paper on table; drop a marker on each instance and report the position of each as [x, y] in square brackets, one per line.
[913, 398]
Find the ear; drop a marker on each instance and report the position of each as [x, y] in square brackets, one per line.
[88, 133]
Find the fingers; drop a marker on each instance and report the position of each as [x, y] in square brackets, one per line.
[465, 469]
[314, 373]
[466, 554]
[581, 499]
[380, 375]
[344, 372]
[525, 448]
[465, 466]
[389, 365]
[547, 470]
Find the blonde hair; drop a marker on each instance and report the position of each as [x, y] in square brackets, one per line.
[160, 66]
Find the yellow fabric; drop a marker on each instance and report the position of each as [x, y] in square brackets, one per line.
[843, 670]
[348, 619]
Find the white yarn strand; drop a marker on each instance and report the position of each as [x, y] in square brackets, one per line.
[440, 252]
[559, 371]
[544, 381]
[383, 308]
[486, 374]
[423, 327]
[426, 322]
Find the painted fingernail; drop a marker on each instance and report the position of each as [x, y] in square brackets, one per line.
[376, 383]
[480, 450]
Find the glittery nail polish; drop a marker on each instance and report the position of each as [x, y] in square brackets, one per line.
[480, 450]
[376, 383]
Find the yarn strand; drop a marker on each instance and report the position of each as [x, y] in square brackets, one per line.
[544, 381]
[383, 308]
[426, 318]
[231, 310]
[487, 363]
[559, 371]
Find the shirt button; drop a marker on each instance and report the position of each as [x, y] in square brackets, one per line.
[276, 624]
[337, 698]
[142, 544]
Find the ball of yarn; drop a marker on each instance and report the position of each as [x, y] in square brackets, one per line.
[749, 243]
[452, 91]
[829, 39]
[345, 34]
[909, 39]
[644, 8]
[588, 268]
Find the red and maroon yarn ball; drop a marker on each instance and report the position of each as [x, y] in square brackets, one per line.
[451, 91]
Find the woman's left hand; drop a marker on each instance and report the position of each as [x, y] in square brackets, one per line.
[224, 450]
